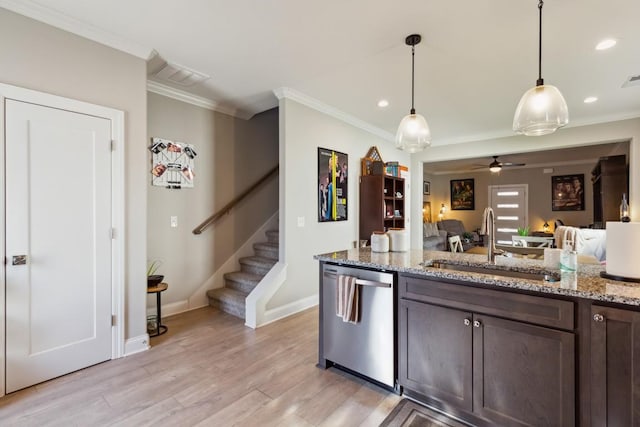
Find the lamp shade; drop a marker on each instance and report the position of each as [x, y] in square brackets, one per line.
[413, 134]
[542, 110]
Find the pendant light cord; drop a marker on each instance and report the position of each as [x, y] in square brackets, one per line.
[413, 67]
[540, 81]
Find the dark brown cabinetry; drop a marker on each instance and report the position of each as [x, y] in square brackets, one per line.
[457, 350]
[615, 367]
[381, 204]
[610, 181]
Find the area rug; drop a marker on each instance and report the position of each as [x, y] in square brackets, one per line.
[410, 414]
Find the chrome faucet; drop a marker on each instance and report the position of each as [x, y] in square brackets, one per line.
[489, 222]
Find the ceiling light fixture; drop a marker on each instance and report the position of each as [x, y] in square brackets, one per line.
[606, 44]
[413, 133]
[383, 103]
[542, 109]
[495, 166]
[590, 99]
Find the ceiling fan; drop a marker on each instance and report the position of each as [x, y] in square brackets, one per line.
[496, 166]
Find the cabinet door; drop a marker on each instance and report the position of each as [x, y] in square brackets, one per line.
[523, 375]
[615, 367]
[435, 352]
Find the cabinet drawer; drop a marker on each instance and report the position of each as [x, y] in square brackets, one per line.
[538, 310]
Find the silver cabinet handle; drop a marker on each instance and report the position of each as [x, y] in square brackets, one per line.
[19, 260]
[598, 317]
[467, 322]
[476, 324]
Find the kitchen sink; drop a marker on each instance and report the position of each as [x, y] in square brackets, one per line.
[541, 275]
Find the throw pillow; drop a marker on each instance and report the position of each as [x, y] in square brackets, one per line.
[430, 229]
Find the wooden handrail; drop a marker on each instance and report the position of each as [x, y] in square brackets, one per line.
[225, 210]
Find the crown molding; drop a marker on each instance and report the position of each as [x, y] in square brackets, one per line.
[198, 101]
[285, 92]
[57, 19]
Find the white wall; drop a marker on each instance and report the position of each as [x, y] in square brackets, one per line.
[40, 57]
[232, 155]
[623, 130]
[302, 131]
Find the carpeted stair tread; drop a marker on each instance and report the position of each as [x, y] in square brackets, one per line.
[242, 281]
[273, 236]
[266, 250]
[258, 261]
[228, 300]
[239, 284]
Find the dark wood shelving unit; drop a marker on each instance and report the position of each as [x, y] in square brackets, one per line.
[381, 204]
[610, 181]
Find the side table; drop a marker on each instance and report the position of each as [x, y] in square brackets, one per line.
[158, 289]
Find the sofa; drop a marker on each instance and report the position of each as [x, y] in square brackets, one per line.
[433, 239]
[454, 227]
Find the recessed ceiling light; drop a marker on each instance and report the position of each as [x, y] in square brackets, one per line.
[383, 103]
[606, 44]
[590, 99]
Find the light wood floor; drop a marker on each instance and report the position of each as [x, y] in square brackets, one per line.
[208, 370]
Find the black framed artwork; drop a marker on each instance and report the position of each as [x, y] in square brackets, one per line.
[567, 192]
[462, 195]
[332, 185]
[426, 188]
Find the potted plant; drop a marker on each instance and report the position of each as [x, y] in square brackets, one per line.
[152, 278]
[467, 237]
[523, 231]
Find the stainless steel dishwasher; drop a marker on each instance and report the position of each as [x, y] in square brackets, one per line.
[367, 347]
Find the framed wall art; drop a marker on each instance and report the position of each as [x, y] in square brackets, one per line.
[332, 185]
[426, 188]
[567, 192]
[172, 163]
[462, 195]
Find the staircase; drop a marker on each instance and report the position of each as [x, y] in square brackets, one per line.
[239, 284]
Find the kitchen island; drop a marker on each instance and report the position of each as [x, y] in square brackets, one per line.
[500, 345]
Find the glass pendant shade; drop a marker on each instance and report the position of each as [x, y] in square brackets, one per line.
[542, 110]
[413, 134]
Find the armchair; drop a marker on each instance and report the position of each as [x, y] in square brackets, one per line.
[455, 227]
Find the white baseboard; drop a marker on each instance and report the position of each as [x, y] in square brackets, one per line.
[294, 307]
[136, 345]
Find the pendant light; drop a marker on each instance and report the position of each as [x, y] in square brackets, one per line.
[413, 133]
[542, 109]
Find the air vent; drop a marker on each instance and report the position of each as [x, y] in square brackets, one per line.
[632, 81]
[180, 75]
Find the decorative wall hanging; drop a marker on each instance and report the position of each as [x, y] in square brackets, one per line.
[567, 192]
[172, 163]
[462, 195]
[332, 185]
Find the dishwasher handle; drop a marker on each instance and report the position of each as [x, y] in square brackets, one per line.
[361, 282]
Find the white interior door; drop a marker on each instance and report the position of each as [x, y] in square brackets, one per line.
[58, 215]
[510, 204]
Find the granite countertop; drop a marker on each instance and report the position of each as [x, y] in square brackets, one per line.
[586, 283]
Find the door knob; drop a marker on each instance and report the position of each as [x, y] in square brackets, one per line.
[19, 260]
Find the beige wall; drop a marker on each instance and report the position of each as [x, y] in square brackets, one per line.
[39, 57]
[302, 131]
[232, 155]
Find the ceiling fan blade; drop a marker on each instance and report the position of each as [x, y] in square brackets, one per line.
[512, 164]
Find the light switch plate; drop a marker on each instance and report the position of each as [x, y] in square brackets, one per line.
[174, 221]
